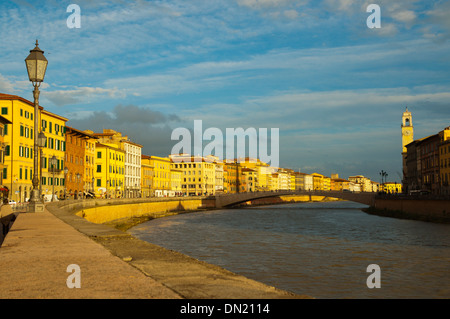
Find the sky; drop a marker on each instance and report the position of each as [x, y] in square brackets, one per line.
[335, 88]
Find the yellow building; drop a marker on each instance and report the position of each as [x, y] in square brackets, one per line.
[3, 122]
[176, 181]
[292, 177]
[53, 126]
[326, 183]
[110, 171]
[392, 188]
[318, 181]
[444, 161]
[249, 179]
[231, 172]
[284, 179]
[146, 179]
[219, 177]
[273, 182]
[339, 184]
[19, 152]
[198, 174]
[265, 177]
[161, 174]
[133, 152]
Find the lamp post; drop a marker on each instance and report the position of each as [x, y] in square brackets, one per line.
[53, 162]
[36, 66]
[41, 143]
[77, 192]
[66, 170]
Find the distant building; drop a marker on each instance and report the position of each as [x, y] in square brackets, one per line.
[132, 163]
[425, 161]
[198, 173]
[407, 137]
[364, 182]
[339, 184]
[444, 155]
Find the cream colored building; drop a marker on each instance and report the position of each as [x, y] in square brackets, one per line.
[198, 174]
[133, 152]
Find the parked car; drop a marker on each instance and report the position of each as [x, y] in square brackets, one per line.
[12, 202]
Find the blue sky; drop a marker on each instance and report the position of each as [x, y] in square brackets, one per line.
[335, 88]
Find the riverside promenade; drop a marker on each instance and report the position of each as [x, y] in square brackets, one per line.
[40, 246]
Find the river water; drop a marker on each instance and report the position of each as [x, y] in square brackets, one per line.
[320, 249]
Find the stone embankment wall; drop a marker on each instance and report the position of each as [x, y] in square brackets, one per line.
[7, 217]
[417, 209]
[100, 214]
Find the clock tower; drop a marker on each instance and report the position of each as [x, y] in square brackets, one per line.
[407, 130]
[407, 137]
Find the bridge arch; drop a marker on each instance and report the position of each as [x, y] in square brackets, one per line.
[227, 200]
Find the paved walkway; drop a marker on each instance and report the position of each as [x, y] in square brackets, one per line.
[40, 246]
[37, 251]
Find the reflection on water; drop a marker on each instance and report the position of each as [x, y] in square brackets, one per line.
[317, 249]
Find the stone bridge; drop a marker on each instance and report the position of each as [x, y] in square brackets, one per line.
[225, 200]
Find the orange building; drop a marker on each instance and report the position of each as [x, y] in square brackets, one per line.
[75, 156]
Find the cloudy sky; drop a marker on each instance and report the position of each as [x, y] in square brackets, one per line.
[334, 88]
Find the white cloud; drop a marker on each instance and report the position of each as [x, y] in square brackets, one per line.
[263, 3]
[81, 95]
[291, 14]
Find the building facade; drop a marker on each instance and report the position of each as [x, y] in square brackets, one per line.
[444, 159]
[19, 150]
[79, 163]
[109, 174]
[198, 174]
[132, 163]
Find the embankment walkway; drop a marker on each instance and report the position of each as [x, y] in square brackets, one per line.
[40, 246]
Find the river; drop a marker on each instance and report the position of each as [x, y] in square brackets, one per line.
[320, 249]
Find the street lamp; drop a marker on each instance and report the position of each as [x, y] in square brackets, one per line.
[53, 161]
[77, 192]
[66, 170]
[36, 66]
[41, 144]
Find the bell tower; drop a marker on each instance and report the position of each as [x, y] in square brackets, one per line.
[407, 130]
[407, 137]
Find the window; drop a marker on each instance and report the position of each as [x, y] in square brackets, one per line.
[99, 182]
[99, 168]
[99, 154]
[4, 111]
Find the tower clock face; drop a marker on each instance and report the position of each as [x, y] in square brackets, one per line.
[407, 133]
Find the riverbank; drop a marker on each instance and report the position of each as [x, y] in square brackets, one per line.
[186, 276]
[406, 215]
[126, 223]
